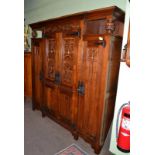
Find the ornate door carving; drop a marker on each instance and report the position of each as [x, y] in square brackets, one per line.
[50, 69]
[50, 59]
[68, 71]
[68, 61]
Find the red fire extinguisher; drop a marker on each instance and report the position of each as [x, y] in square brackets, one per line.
[123, 136]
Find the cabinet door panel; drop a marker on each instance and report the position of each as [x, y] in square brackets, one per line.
[68, 71]
[89, 103]
[65, 108]
[37, 50]
[51, 97]
[50, 69]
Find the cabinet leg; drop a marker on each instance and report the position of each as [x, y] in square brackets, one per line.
[43, 113]
[97, 148]
[33, 107]
[76, 136]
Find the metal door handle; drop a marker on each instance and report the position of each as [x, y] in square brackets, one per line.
[102, 43]
[81, 88]
[57, 78]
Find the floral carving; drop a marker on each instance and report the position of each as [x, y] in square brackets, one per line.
[51, 59]
[68, 61]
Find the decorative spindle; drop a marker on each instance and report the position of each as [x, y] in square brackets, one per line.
[110, 26]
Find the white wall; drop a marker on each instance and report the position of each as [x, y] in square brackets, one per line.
[38, 10]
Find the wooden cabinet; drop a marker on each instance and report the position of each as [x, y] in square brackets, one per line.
[27, 74]
[75, 71]
[37, 73]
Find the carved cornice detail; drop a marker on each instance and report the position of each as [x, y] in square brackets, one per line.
[61, 28]
[110, 26]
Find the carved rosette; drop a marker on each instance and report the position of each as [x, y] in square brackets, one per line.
[68, 61]
[51, 59]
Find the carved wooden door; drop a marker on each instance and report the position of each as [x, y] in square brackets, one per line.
[90, 89]
[37, 72]
[50, 73]
[68, 71]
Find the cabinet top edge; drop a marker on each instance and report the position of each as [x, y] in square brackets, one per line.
[113, 11]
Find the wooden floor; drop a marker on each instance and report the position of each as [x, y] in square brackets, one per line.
[44, 137]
